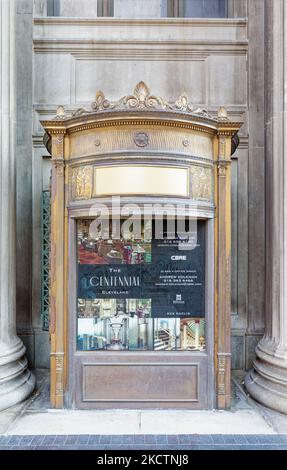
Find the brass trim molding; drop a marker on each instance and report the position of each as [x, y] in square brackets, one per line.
[140, 122]
[141, 108]
[200, 181]
[140, 139]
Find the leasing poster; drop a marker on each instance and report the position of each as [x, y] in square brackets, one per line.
[167, 271]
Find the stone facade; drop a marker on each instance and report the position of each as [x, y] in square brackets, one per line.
[215, 61]
[16, 381]
[73, 57]
[267, 381]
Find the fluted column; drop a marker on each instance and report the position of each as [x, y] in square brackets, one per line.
[16, 381]
[267, 382]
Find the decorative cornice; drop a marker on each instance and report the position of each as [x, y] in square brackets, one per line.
[138, 109]
[140, 100]
[236, 111]
[140, 122]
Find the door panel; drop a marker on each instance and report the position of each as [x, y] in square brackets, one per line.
[144, 370]
[114, 381]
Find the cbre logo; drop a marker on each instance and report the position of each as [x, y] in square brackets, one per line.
[178, 258]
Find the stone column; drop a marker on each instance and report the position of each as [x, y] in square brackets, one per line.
[267, 381]
[16, 381]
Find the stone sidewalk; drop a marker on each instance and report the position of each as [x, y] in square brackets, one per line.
[145, 442]
[247, 425]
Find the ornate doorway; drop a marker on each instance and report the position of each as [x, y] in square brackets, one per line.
[138, 322]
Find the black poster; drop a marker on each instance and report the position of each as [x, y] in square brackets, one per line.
[174, 278]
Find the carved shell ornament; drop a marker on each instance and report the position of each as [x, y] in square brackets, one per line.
[141, 99]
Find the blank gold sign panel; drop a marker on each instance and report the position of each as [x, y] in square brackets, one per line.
[141, 179]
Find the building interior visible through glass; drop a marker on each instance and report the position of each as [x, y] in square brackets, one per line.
[115, 279]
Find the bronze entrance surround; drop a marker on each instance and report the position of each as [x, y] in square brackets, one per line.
[173, 153]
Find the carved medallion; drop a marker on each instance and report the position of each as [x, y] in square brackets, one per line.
[141, 139]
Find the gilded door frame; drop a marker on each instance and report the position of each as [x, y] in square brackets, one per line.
[59, 132]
